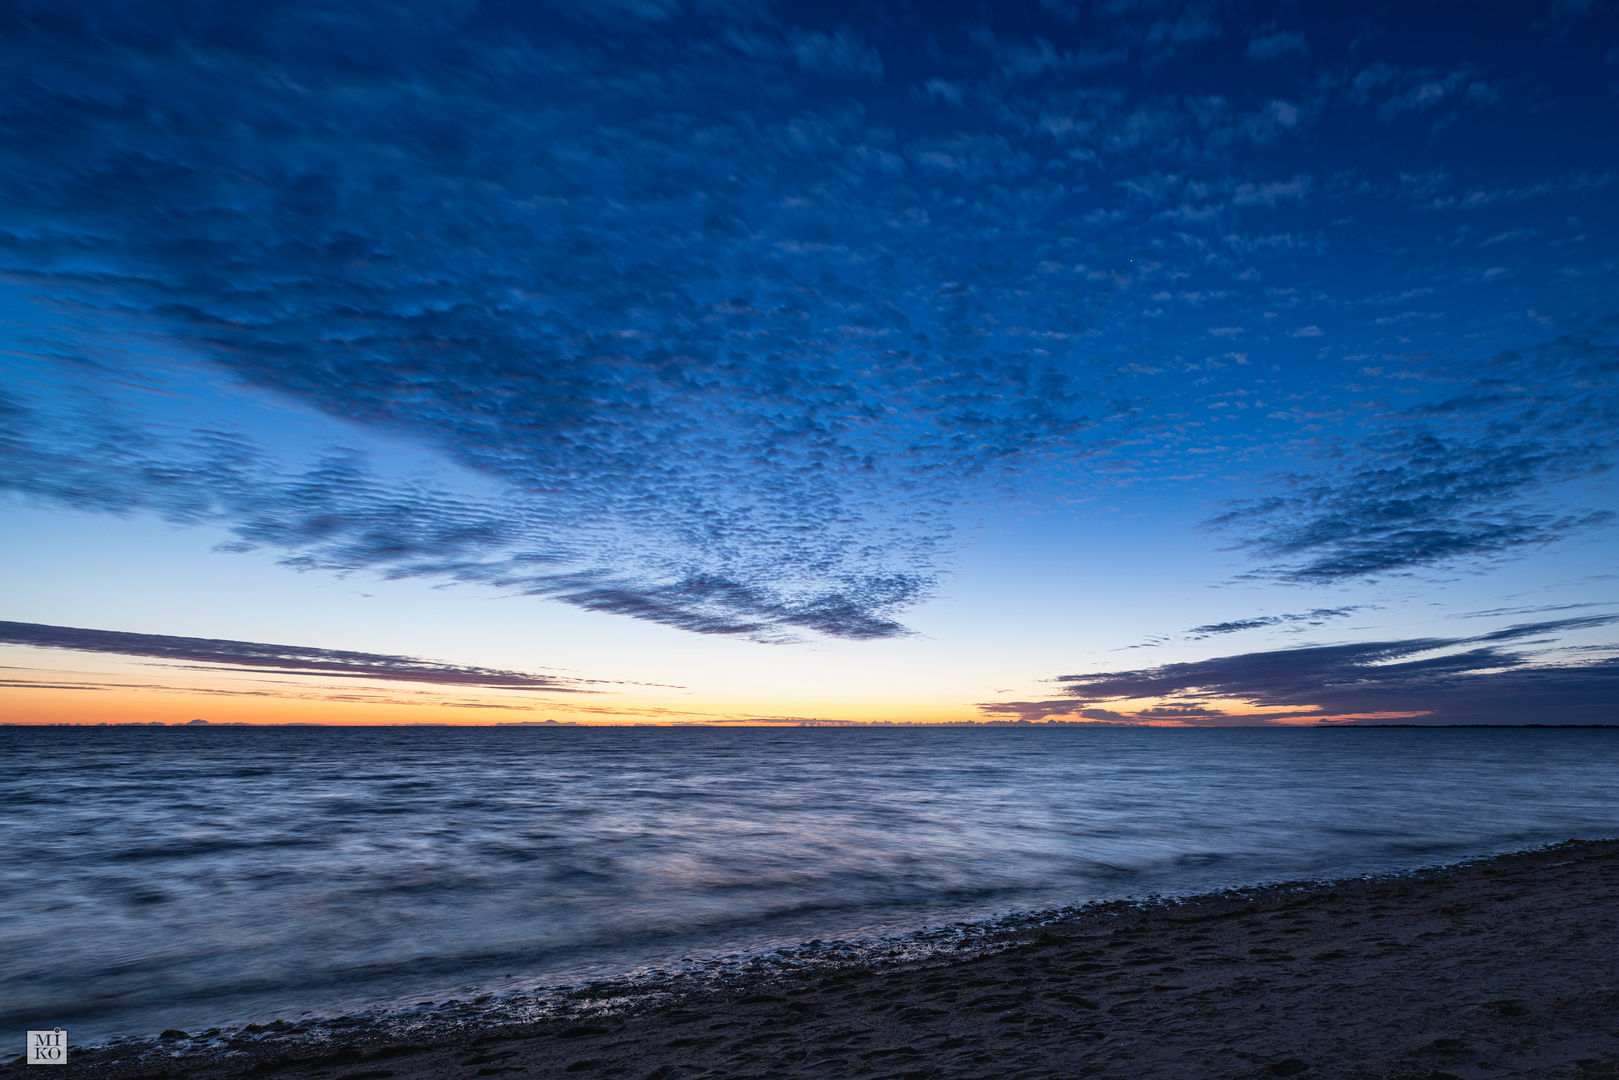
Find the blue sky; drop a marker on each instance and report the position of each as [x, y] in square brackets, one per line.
[842, 361]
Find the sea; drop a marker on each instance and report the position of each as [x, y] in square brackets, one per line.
[192, 877]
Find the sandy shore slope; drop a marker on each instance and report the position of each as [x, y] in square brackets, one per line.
[1504, 968]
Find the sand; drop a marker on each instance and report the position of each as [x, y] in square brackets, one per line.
[1503, 968]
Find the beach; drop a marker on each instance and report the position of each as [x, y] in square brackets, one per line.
[1503, 967]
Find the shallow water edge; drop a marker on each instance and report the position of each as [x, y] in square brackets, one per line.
[166, 878]
[381, 1033]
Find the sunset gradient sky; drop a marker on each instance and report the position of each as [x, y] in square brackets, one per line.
[716, 361]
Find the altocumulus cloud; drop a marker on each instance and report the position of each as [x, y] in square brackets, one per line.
[1459, 477]
[575, 269]
[734, 304]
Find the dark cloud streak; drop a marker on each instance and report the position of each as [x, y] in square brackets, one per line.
[1470, 680]
[1316, 617]
[254, 656]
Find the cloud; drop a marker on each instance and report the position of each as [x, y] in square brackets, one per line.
[1396, 90]
[1427, 190]
[723, 375]
[1030, 710]
[1155, 30]
[1027, 59]
[1195, 24]
[1462, 477]
[1533, 610]
[842, 55]
[1274, 44]
[337, 514]
[943, 90]
[972, 158]
[732, 328]
[1036, 711]
[1270, 192]
[278, 659]
[1447, 680]
[717, 605]
[1316, 617]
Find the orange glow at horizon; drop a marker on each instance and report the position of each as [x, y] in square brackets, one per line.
[385, 706]
[27, 705]
[54, 689]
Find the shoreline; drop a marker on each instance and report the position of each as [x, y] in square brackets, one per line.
[662, 979]
[1088, 991]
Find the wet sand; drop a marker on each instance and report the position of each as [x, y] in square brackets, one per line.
[1503, 968]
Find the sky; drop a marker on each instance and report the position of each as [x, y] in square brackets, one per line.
[734, 361]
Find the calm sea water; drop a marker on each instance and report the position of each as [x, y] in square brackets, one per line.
[169, 877]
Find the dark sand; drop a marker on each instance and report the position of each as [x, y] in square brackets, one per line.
[1503, 968]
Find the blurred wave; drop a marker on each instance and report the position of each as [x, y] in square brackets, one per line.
[169, 877]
